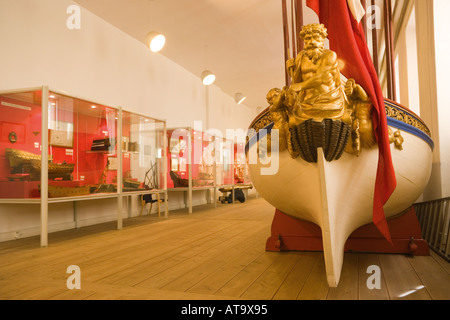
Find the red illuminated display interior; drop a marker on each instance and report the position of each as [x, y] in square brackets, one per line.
[25, 121]
[178, 149]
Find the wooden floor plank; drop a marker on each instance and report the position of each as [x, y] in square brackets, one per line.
[316, 286]
[186, 275]
[296, 279]
[444, 263]
[401, 279]
[217, 245]
[348, 283]
[433, 276]
[214, 263]
[103, 246]
[239, 283]
[135, 256]
[213, 253]
[268, 283]
[217, 279]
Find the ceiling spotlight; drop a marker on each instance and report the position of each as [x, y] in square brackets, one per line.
[239, 98]
[208, 77]
[155, 41]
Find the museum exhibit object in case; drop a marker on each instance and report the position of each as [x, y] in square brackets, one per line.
[241, 171]
[190, 157]
[224, 162]
[242, 181]
[143, 157]
[198, 161]
[190, 162]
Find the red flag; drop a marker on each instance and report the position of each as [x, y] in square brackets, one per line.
[347, 39]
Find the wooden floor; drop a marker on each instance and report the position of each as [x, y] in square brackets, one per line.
[211, 254]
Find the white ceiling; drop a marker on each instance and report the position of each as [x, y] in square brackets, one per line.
[241, 41]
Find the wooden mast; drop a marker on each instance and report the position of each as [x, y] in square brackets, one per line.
[375, 45]
[296, 25]
[390, 63]
[364, 21]
[293, 31]
[286, 39]
[299, 22]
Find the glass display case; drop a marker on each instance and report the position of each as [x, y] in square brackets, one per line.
[143, 156]
[20, 144]
[224, 162]
[190, 159]
[191, 163]
[59, 148]
[241, 170]
[204, 159]
[80, 147]
[142, 153]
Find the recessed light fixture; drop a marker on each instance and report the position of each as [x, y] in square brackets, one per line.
[93, 107]
[239, 98]
[208, 77]
[155, 41]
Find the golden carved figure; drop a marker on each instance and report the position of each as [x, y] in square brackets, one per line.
[316, 78]
[396, 138]
[360, 110]
[318, 92]
[280, 116]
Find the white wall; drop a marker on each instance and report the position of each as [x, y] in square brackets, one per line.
[102, 64]
[441, 10]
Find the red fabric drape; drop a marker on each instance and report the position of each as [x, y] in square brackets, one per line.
[347, 39]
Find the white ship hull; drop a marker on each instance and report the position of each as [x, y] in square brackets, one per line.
[338, 196]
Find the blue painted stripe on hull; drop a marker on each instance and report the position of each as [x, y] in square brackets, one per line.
[258, 136]
[410, 129]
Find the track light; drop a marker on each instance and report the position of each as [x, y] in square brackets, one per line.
[155, 41]
[208, 77]
[239, 98]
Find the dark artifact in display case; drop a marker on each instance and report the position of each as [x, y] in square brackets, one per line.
[58, 191]
[22, 162]
[178, 181]
[101, 144]
[130, 183]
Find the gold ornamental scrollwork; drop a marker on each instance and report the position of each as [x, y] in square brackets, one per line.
[400, 115]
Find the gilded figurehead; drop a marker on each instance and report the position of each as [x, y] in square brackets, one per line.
[318, 92]
[315, 76]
